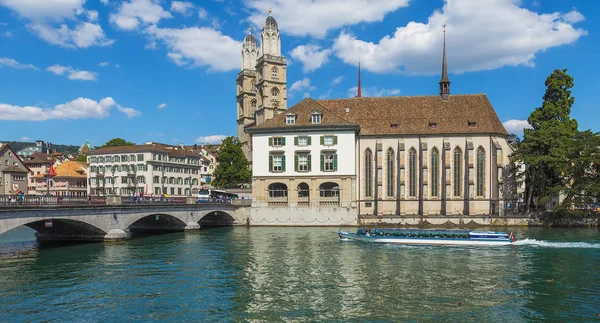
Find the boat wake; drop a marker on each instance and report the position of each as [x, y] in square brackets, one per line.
[548, 244]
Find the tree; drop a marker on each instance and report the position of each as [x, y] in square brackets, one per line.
[116, 142]
[81, 158]
[233, 169]
[582, 174]
[545, 146]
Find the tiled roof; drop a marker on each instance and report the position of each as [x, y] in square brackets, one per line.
[154, 147]
[13, 169]
[70, 168]
[303, 111]
[37, 158]
[418, 114]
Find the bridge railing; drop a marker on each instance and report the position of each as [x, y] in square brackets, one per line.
[20, 199]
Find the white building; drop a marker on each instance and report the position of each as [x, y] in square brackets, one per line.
[304, 160]
[151, 168]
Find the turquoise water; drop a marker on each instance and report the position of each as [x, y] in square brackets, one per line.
[300, 275]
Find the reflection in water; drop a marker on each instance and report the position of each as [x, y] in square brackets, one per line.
[299, 274]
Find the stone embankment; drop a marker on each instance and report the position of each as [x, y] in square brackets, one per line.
[565, 219]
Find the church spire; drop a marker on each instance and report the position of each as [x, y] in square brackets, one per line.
[445, 81]
[358, 94]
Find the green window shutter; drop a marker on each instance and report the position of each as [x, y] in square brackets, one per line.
[283, 141]
[270, 162]
[335, 162]
[322, 140]
[309, 161]
[283, 163]
[270, 141]
[295, 141]
[296, 162]
[335, 140]
[322, 160]
[308, 140]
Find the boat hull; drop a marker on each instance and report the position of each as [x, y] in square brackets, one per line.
[425, 241]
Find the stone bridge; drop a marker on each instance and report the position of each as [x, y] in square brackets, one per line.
[118, 222]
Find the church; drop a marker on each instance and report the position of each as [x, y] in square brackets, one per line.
[337, 161]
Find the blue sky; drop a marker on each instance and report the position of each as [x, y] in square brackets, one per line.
[161, 70]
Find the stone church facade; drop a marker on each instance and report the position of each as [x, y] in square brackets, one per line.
[262, 82]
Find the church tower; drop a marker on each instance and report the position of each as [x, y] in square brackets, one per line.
[246, 92]
[445, 81]
[271, 82]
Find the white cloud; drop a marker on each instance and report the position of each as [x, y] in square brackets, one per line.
[573, 17]
[81, 108]
[161, 106]
[302, 85]
[104, 2]
[151, 45]
[316, 17]
[10, 62]
[25, 139]
[214, 139]
[311, 56]
[108, 64]
[337, 80]
[181, 7]
[130, 112]
[135, 13]
[372, 91]
[72, 73]
[46, 9]
[516, 126]
[84, 35]
[199, 46]
[202, 13]
[92, 15]
[482, 35]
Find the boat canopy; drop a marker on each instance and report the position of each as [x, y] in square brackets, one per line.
[394, 232]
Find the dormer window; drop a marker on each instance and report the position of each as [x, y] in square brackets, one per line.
[472, 124]
[316, 117]
[432, 124]
[394, 126]
[290, 119]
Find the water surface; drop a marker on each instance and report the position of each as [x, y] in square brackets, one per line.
[300, 275]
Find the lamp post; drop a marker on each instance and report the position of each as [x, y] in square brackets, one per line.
[163, 175]
[190, 182]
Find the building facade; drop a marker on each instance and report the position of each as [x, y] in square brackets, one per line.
[261, 85]
[150, 168]
[413, 156]
[70, 179]
[13, 173]
[38, 164]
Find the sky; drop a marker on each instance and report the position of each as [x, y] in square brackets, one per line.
[164, 71]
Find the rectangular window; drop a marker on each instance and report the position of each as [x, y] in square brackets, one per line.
[140, 157]
[328, 141]
[316, 118]
[277, 141]
[291, 119]
[328, 162]
[303, 141]
[277, 165]
[302, 162]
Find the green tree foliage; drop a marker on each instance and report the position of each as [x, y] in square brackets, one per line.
[233, 169]
[81, 158]
[553, 146]
[117, 142]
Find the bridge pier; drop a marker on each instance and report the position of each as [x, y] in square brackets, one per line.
[117, 235]
[192, 226]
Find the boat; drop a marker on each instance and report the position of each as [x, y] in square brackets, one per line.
[429, 237]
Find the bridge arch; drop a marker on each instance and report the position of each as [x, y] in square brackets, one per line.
[58, 229]
[216, 218]
[155, 221]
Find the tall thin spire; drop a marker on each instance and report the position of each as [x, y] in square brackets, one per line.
[358, 95]
[445, 81]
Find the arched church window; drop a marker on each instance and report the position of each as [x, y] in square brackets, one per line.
[253, 85]
[435, 172]
[412, 173]
[275, 71]
[457, 171]
[390, 173]
[368, 173]
[480, 170]
[274, 93]
[253, 103]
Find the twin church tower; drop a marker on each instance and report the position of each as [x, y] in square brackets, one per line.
[261, 84]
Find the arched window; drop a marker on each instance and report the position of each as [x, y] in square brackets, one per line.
[253, 85]
[390, 172]
[274, 70]
[274, 93]
[412, 172]
[480, 170]
[457, 171]
[368, 173]
[278, 190]
[435, 172]
[303, 190]
[329, 189]
[253, 103]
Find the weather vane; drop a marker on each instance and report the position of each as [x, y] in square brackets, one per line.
[270, 11]
[444, 25]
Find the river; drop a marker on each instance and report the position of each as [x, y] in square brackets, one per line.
[300, 275]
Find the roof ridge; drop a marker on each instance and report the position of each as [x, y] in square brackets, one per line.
[396, 96]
